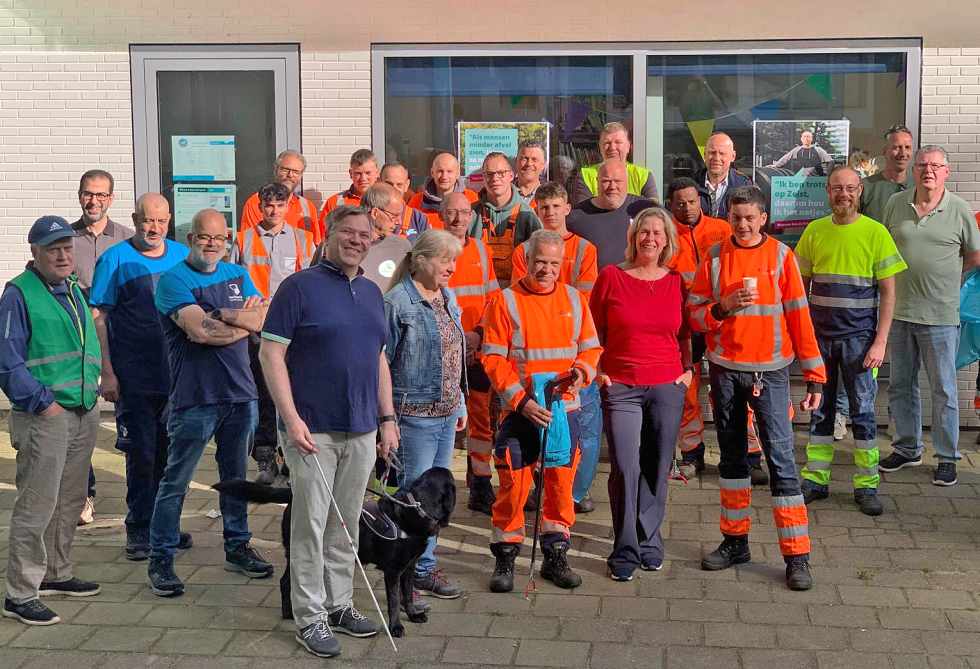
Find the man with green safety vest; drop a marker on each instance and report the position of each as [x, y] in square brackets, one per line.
[848, 262]
[50, 361]
[614, 142]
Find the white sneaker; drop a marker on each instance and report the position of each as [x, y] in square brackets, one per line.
[840, 427]
[88, 512]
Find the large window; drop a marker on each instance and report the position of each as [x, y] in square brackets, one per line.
[425, 97]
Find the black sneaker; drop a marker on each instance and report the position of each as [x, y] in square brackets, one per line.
[945, 474]
[758, 474]
[651, 564]
[248, 561]
[798, 576]
[186, 541]
[869, 503]
[138, 546]
[30, 613]
[689, 468]
[73, 587]
[421, 605]
[813, 492]
[897, 461]
[432, 583]
[268, 471]
[586, 505]
[317, 639]
[349, 620]
[481, 502]
[621, 574]
[162, 578]
[732, 551]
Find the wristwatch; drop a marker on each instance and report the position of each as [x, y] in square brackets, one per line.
[386, 419]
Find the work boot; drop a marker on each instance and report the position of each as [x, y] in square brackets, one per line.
[798, 576]
[814, 491]
[732, 551]
[265, 457]
[586, 505]
[555, 566]
[691, 467]
[502, 579]
[869, 503]
[481, 495]
[758, 474]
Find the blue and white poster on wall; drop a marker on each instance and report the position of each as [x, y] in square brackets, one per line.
[791, 162]
[203, 157]
[478, 138]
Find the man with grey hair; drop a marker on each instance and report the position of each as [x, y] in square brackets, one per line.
[614, 143]
[936, 233]
[49, 370]
[207, 308]
[135, 374]
[532, 158]
[300, 212]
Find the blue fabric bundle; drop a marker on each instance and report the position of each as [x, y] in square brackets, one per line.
[969, 349]
[558, 450]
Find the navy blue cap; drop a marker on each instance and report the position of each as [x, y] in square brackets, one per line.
[49, 229]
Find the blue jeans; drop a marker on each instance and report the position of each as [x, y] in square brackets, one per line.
[912, 345]
[590, 440]
[190, 430]
[426, 443]
[730, 390]
[141, 433]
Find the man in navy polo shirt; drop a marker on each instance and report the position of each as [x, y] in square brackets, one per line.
[207, 308]
[323, 359]
[135, 375]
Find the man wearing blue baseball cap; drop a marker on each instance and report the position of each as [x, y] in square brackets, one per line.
[50, 362]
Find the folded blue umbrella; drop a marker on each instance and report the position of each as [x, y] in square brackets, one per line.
[558, 449]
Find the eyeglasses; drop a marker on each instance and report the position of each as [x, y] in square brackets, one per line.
[210, 239]
[837, 190]
[89, 195]
[935, 167]
[457, 213]
[500, 174]
[392, 216]
[291, 173]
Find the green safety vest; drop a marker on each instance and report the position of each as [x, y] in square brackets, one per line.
[637, 178]
[68, 366]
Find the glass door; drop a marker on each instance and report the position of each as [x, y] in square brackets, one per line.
[208, 124]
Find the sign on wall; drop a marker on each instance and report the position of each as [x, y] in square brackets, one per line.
[190, 199]
[203, 157]
[791, 161]
[477, 139]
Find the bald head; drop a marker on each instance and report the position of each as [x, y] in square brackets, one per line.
[719, 154]
[613, 184]
[444, 172]
[150, 201]
[151, 221]
[209, 232]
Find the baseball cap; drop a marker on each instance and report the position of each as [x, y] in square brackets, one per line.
[49, 229]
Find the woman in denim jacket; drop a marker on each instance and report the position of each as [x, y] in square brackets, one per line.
[426, 351]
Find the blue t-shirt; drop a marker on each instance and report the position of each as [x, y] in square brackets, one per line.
[123, 286]
[202, 374]
[335, 330]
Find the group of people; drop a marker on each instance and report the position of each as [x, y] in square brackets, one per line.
[391, 321]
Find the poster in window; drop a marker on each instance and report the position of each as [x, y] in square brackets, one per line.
[203, 157]
[791, 162]
[477, 139]
[190, 199]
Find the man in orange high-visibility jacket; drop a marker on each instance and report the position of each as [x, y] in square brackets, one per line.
[536, 326]
[270, 251]
[443, 179]
[473, 283]
[364, 173]
[579, 268]
[300, 212]
[696, 233]
[748, 297]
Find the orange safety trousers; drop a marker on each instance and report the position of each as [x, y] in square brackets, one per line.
[479, 445]
[691, 434]
[788, 512]
[516, 460]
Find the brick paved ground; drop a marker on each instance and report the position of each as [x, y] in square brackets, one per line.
[897, 591]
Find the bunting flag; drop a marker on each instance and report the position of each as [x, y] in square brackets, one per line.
[701, 131]
[820, 83]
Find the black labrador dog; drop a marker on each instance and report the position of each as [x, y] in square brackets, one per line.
[392, 534]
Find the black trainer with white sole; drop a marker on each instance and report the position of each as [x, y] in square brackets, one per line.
[945, 474]
[30, 613]
[73, 587]
[897, 461]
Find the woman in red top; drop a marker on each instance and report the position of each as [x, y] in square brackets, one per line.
[645, 371]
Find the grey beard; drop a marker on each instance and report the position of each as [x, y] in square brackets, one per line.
[90, 219]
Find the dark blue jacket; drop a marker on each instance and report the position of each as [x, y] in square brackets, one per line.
[735, 180]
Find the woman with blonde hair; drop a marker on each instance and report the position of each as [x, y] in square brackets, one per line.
[638, 308]
[425, 351]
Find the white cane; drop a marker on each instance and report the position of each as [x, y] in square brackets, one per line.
[353, 548]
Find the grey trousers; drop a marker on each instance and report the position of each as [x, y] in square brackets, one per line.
[321, 562]
[53, 460]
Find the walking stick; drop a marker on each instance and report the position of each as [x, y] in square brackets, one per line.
[353, 548]
[549, 392]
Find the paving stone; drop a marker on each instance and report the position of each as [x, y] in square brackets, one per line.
[738, 635]
[940, 599]
[130, 640]
[9, 629]
[245, 618]
[701, 611]
[584, 629]
[842, 616]
[418, 648]
[137, 661]
[772, 614]
[67, 636]
[15, 658]
[226, 663]
[680, 657]
[486, 602]
[459, 624]
[912, 619]
[964, 621]
[619, 608]
[777, 659]
[586, 606]
[267, 644]
[810, 638]
[850, 660]
[76, 659]
[894, 641]
[470, 650]
[112, 613]
[234, 595]
[668, 633]
[953, 643]
[539, 653]
[737, 592]
[857, 595]
[194, 617]
[617, 656]
[524, 627]
[193, 642]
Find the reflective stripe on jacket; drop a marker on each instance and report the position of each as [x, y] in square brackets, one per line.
[253, 255]
[579, 264]
[473, 282]
[695, 242]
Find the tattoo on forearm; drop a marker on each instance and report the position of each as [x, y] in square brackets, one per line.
[216, 329]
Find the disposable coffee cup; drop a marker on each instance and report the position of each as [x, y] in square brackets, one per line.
[750, 282]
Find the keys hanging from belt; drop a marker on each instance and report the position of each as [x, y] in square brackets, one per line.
[757, 388]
